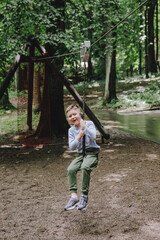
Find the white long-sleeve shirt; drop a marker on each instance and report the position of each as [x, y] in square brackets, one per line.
[90, 139]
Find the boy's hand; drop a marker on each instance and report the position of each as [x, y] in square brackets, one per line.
[80, 135]
[83, 124]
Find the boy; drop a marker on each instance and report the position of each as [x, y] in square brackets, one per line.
[86, 163]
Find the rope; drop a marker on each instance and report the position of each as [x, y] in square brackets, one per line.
[105, 34]
[84, 89]
[56, 56]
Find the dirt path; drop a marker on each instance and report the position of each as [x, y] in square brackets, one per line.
[124, 199]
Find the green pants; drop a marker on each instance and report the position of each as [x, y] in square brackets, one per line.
[86, 165]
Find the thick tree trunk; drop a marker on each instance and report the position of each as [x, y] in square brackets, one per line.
[59, 124]
[157, 26]
[52, 110]
[112, 78]
[44, 127]
[151, 51]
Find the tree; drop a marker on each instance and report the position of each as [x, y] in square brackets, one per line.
[63, 25]
[45, 20]
[59, 125]
[36, 88]
[113, 77]
[151, 46]
[110, 86]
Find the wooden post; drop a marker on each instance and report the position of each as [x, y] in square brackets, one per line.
[30, 88]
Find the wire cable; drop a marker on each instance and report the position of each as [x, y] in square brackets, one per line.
[110, 30]
[104, 35]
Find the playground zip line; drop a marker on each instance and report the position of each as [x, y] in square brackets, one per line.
[52, 68]
[104, 35]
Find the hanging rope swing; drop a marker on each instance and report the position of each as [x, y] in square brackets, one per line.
[84, 56]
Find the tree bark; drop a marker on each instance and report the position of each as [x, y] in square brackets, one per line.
[140, 44]
[157, 25]
[59, 125]
[151, 51]
[36, 90]
[112, 77]
[108, 69]
[44, 127]
[146, 44]
[90, 34]
[30, 89]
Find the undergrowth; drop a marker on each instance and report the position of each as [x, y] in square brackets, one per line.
[144, 94]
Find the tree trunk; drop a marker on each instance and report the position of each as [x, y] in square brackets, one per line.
[140, 59]
[30, 89]
[146, 44]
[151, 53]
[108, 69]
[131, 70]
[4, 102]
[157, 25]
[44, 127]
[53, 121]
[36, 90]
[112, 77]
[59, 124]
[90, 34]
[140, 44]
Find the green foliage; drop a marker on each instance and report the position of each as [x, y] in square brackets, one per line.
[8, 122]
[84, 20]
[22, 119]
[138, 94]
[19, 19]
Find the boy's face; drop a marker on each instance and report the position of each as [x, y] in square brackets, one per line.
[74, 117]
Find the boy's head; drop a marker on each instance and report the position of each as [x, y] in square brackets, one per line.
[74, 115]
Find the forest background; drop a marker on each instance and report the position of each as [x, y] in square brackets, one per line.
[132, 49]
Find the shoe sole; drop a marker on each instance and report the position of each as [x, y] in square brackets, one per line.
[82, 209]
[71, 208]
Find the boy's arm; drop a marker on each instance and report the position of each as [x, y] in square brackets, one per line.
[73, 142]
[90, 130]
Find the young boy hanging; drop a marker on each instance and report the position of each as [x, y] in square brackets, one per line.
[87, 158]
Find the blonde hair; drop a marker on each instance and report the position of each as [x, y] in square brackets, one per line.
[72, 106]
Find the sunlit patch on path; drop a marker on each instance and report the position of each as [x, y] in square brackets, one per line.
[115, 177]
[152, 230]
